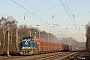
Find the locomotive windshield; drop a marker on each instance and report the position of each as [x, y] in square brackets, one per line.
[28, 38]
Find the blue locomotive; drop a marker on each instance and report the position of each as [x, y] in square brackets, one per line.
[28, 46]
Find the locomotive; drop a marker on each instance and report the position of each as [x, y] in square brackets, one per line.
[30, 45]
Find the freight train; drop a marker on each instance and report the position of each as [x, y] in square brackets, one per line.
[30, 45]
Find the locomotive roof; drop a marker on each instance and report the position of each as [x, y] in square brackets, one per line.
[27, 37]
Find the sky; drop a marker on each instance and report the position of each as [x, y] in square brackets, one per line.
[63, 18]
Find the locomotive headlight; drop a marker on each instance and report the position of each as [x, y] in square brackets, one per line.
[26, 43]
[22, 47]
[29, 47]
[26, 47]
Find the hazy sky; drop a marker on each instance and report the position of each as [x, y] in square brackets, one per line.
[70, 15]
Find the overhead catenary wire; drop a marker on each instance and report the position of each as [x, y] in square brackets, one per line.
[70, 17]
[51, 7]
[68, 14]
[68, 8]
[36, 9]
[39, 10]
[30, 12]
[46, 8]
[42, 10]
[34, 15]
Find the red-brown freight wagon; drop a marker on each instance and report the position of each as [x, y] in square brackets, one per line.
[45, 46]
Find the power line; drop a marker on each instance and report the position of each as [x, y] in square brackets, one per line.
[83, 14]
[68, 7]
[30, 12]
[37, 16]
[69, 16]
[67, 12]
[70, 11]
[36, 9]
[41, 10]
[33, 14]
[51, 7]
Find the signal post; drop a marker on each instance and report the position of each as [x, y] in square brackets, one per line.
[8, 30]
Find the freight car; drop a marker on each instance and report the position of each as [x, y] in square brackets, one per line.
[30, 46]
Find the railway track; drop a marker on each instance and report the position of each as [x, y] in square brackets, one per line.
[49, 56]
[82, 56]
[76, 56]
[52, 56]
[58, 55]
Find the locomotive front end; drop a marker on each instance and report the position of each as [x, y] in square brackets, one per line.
[28, 47]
